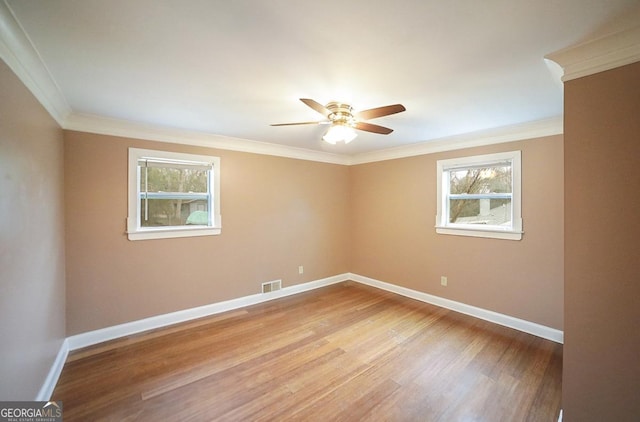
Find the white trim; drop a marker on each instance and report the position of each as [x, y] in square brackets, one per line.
[122, 128]
[514, 232]
[90, 338]
[492, 234]
[511, 133]
[54, 373]
[20, 55]
[594, 56]
[617, 49]
[172, 233]
[491, 316]
[134, 232]
[128, 129]
[18, 52]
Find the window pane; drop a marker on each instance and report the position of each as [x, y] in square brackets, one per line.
[161, 179]
[480, 196]
[173, 212]
[490, 179]
[495, 212]
[172, 194]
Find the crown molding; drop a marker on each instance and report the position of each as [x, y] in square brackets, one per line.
[511, 133]
[594, 56]
[17, 51]
[24, 60]
[128, 129]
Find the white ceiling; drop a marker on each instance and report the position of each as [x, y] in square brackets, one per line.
[234, 67]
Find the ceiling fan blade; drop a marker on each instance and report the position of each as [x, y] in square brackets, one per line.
[323, 122]
[372, 113]
[316, 106]
[368, 127]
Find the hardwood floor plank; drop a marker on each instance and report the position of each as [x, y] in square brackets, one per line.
[151, 334]
[203, 366]
[344, 352]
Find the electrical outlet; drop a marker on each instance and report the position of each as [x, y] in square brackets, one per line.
[300, 269]
[443, 281]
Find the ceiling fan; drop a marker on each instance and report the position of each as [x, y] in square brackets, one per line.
[343, 120]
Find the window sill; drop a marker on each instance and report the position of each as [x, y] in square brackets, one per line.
[488, 233]
[170, 233]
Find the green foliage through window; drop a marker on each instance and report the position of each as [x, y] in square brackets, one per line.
[173, 196]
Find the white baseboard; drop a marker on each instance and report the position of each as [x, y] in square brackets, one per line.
[495, 317]
[54, 373]
[90, 338]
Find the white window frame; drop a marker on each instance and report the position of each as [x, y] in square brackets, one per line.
[136, 232]
[443, 226]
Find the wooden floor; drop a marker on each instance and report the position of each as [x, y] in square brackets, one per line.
[343, 352]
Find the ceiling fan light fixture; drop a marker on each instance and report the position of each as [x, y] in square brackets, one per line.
[339, 133]
[344, 122]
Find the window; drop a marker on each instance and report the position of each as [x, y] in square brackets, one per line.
[480, 196]
[172, 195]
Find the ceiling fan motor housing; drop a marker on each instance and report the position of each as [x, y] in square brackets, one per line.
[341, 114]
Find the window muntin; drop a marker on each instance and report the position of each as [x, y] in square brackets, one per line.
[172, 195]
[480, 196]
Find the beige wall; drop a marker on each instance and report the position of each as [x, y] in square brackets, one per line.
[601, 371]
[277, 214]
[373, 219]
[394, 240]
[32, 289]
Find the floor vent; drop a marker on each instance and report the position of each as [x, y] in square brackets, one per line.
[271, 286]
